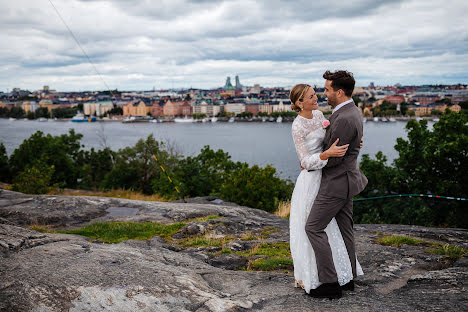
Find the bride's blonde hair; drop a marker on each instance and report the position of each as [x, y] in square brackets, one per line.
[297, 94]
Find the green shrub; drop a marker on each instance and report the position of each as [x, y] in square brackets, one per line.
[34, 180]
[256, 187]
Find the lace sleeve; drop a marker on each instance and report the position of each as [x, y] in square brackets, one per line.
[320, 116]
[309, 162]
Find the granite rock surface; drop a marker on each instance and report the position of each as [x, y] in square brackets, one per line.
[61, 272]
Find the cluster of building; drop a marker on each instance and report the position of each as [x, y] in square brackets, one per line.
[422, 100]
[231, 100]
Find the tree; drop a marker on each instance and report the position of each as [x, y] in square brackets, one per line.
[64, 112]
[245, 114]
[17, 112]
[95, 166]
[135, 167]
[403, 107]
[5, 175]
[4, 112]
[356, 100]
[198, 116]
[435, 161]
[42, 112]
[464, 106]
[381, 178]
[205, 173]
[116, 111]
[429, 162]
[63, 152]
[256, 187]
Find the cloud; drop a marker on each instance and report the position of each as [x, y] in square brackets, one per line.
[141, 44]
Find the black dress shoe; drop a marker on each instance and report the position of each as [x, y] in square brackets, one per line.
[348, 286]
[327, 290]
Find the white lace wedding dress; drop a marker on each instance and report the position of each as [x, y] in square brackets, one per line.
[308, 136]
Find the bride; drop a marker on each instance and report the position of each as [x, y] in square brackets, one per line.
[308, 131]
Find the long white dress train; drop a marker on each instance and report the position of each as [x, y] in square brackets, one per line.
[308, 136]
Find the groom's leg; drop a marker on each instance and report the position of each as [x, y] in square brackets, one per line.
[321, 213]
[344, 218]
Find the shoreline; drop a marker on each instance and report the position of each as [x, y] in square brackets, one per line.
[224, 119]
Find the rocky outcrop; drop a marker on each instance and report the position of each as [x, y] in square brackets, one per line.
[61, 272]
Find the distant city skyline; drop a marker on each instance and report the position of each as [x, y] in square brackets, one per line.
[219, 87]
[137, 45]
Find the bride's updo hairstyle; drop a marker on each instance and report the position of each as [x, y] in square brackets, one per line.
[297, 94]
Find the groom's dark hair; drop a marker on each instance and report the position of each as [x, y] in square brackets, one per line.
[341, 79]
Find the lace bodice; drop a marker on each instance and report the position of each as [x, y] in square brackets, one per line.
[308, 136]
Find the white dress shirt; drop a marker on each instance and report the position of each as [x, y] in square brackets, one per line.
[341, 105]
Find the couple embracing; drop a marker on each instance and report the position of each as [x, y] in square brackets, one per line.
[321, 218]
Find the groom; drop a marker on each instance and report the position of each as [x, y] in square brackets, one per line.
[341, 180]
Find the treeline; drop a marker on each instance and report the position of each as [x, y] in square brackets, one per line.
[430, 162]
[43, 162]
[41, 112]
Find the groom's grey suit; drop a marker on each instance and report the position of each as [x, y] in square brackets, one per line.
[341, 180]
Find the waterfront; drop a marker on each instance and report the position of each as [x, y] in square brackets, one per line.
[254, 143]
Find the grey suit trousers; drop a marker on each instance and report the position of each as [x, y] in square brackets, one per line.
[321, 213]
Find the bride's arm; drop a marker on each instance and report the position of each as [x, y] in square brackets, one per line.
[309, 162]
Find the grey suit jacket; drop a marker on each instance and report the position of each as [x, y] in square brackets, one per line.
[341, 177]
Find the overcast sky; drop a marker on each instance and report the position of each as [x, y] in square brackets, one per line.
[141, 44]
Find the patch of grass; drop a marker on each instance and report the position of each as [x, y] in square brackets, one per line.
[271, 264]
[398, 240]
[203, 241]
[248, 236]
[268, 249]
[451, 251]
[5, 186]
[283, 210]
[40, 228]
[116, 232]
[267, 231]
[206, 218]
[126, 194]
[224, 250]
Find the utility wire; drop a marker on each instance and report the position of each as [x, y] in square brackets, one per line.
[168, 177]
[78, 43]
[412, 195]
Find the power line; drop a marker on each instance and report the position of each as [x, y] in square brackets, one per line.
[413, 195]
[168, 177]
[78, 43]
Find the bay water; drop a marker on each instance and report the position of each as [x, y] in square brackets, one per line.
[251, 142]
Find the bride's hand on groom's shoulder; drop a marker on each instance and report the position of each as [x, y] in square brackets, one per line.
[361, 144]
[335, 151]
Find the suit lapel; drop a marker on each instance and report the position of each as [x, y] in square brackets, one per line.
[333, 116]
[326, 140]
